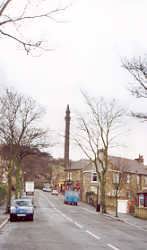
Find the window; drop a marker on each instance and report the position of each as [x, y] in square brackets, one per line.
[115, 178]
[141, 200]
[113, 192]
[129, 194]
[138, 179]
[145, 200]
[69, 176]
[145, 180]
[128, 178]
[94, 177]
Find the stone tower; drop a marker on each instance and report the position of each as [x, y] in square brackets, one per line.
[66, 144]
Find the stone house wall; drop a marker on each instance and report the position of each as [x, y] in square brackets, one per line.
[127, 190]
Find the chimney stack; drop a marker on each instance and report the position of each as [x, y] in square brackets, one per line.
[67, 134]
[140, 159]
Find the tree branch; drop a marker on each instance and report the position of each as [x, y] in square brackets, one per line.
[22, 18]
[27, 45]
[4, 6]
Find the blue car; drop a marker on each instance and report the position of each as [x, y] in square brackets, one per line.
[71, 197]
[21, 209]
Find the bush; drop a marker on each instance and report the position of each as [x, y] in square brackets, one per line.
[3, 193]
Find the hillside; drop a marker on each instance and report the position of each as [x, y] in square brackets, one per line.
[39, 168]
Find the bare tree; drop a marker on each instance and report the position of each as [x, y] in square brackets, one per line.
[97, 131]
[20, 130]
[119, 171]
[15, 14]
[138, 69]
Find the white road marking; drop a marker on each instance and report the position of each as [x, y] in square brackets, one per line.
[93, 235]
[67, 218]
[88, 210]
[113, 247]
[78, 225]
[64, 215]
[4, 222]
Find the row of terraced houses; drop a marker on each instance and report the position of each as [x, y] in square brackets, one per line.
[132, 195]
[83, 177]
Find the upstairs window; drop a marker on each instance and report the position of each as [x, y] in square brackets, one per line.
[115, 178]
[94, 177]
[145, 180]
[69, 176]
[138, 179]
[128, 178]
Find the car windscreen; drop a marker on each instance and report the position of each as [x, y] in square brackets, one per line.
[23, 203]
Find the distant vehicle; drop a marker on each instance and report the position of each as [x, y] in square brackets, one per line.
[55, 192]
[21, 209]
[29, 187]
[71, 198]
[46, 189]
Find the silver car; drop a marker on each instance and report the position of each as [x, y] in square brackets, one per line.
[21, 209]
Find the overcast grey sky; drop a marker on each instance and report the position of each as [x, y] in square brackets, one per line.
[88, 47]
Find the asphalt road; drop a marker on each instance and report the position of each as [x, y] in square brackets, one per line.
[63, 227]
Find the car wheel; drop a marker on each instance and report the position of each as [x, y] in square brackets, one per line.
[31, 217]
[12, 218]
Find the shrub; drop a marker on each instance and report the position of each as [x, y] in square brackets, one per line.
[3, 193]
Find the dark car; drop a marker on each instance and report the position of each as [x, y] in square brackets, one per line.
[21, 209]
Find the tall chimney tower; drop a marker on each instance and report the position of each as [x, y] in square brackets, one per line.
[67, 133]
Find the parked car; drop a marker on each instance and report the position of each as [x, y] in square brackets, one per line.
[21, 209]
[55, 192]
[46, 189]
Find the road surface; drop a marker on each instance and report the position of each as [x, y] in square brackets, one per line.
[63, 227]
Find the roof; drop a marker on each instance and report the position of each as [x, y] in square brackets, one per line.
[130, 166]
[77, 165]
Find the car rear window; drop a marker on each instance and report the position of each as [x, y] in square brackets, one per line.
[22, 203]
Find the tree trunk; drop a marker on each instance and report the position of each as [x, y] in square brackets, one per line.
[97, 200]
[103, 194]
[9, 192]
[18, 180]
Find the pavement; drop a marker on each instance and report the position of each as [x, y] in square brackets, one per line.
[139, 223]
[129, 219]
[3, 216]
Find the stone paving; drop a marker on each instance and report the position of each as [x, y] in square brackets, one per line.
[3, 216]
[130, 219]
